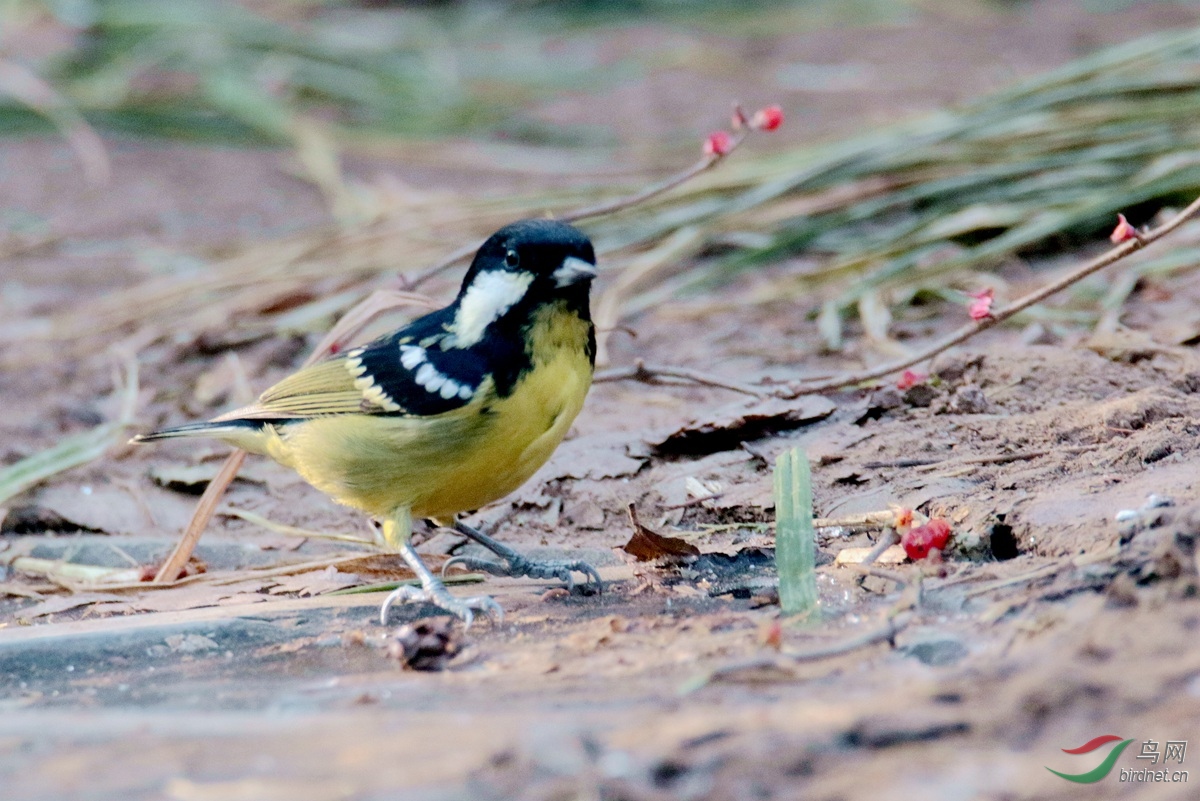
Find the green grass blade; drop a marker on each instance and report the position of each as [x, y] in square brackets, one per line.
[71, 452]
[795, 537]
[75, 450]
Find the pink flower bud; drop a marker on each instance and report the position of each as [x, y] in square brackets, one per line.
[767, 119]
[718, 143]
[981, 307]
[1123, 232]
[909, 379]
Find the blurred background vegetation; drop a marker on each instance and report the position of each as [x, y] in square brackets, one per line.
[244, 71]
[892, 214]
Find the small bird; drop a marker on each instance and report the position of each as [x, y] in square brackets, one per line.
[449, 413]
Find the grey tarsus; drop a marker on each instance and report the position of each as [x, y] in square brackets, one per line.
[433, 591]
[515, 565]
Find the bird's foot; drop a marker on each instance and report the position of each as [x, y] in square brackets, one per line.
[437, 595]
[517, 566]
[433, 591]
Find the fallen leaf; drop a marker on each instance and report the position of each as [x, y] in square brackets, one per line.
[313, 582]
[389, 565]
[53, 606]
[194, 596]
[595, 456]
[190, 479]
[33, 519]
[728, 427]
[646, 545]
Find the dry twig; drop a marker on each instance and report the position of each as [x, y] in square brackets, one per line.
[788, 662]
[1112, 256]
[887, 539]
[708, 161]
[654, 373]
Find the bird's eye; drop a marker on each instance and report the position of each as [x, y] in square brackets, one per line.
[511, 259]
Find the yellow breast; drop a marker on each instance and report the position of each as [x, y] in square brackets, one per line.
[465, 459]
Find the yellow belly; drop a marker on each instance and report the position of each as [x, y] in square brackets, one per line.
[462, 460]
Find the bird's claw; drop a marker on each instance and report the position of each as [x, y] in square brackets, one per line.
[462, 608]
[517, 566]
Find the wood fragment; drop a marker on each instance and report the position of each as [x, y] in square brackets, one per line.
[789, 659]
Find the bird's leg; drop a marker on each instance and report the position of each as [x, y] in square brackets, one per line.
[516, 565]
[397, 531]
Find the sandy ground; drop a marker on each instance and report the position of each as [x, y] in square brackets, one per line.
[1047, 626]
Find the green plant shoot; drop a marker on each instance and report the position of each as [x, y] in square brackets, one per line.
[795, 537]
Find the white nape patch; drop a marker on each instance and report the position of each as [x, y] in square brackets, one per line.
[488, 297]
[429, 377]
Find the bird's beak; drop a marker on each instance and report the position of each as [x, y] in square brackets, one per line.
[573, 271]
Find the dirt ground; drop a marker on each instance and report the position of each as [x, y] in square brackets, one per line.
[1049, 624]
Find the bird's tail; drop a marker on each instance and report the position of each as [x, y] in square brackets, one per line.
[228, 430]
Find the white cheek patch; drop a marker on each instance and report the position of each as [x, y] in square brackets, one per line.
[486, 300]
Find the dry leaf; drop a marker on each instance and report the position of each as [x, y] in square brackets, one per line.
[313, 582]
[728, 427]
[598, 456]
[646, 545]
[54, 606]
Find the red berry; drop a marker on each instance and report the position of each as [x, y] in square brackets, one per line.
[939, 532]
[767, 119]
[718, 143]
[918, 542]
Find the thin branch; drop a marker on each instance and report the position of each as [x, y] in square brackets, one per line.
[598, 209]
[462, 254]
[378, 302]
[889, 538]
[653, 373]
[170, 570]
[1037, 574]
[866, 570]
[789, 661]
[654, 190]
[1037, 296]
